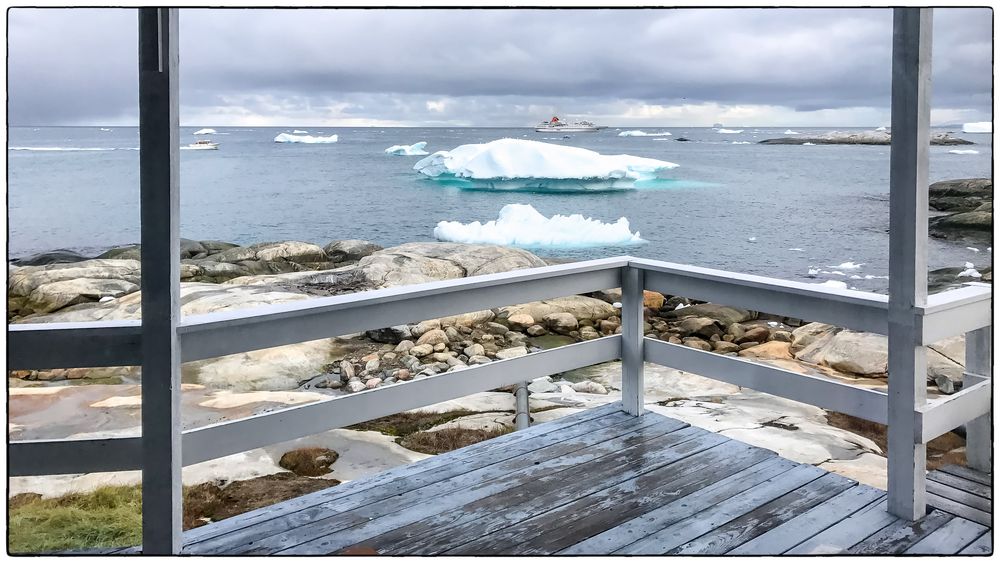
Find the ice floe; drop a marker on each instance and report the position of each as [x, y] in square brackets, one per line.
[728, 131]
[796, 250]
[741, 142]
[963, 151]
[204, 132]
[105, 129]
[978, 127]
[881, 128]
[809, 144]
[299, 132]
[638, 133]
[519, 163]
[790, 132]
[522, 225]
[970, 271]
[309, 139]
[972, 248]
[834, 283]
[416, 149]
[848, 266]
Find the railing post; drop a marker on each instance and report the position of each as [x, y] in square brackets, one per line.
[632, 356]
[911, 84]
[979, 431]
[159, 185]
[522, 419]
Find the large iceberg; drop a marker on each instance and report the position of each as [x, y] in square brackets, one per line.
[520, 164]
[638, 133]
[416, 149]
[204, 132]
[286, 138]
[978, 127]
[522, 225]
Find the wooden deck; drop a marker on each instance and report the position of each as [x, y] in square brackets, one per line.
[601, 482]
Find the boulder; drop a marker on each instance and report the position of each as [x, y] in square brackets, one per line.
[309, 462]
[698, 344]
[563, 323]
[542, 385]
[468, 319]
[724, 314]
[350, 250]
[969, 193]
[536, 330]
[433, 337]
[509, 353]
[52, 257]
[652, 299]
[420, 262]
[390, 335]
[58, 295]
[588, 386]
[421, 350]
[724, 347]
[579, 306]
[287, 251]
[755, 334]
[520, 321]
[701, 326]
[773, 350]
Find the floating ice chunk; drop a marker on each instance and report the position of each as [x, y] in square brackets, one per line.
[970, 265]
[834, 283]
[881, 128]
[790, 132]
[507, 159]
[741, 142]
[972, 248]
[638, 133]
[521, 225]
[752, 239]
[309, 139]
[813, 272]
[969, 272]
[856, 277]
[848, 266]
[728, 131]
[963, 151]
[978, 127]
[299, 132]
[105, 129]
[871, 277]
[416, 149]
[989, 249]
[204, 132]
[809, 144]
[796, 250]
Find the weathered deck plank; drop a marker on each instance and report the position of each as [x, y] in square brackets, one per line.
[958, 509]
[968, 474]
[981, 546]
[978, 489]
[949, 538]
[960, 496]
[901, 535]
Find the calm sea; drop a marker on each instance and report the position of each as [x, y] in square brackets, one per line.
[829, 201]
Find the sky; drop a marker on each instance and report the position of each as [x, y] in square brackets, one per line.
[661, 67]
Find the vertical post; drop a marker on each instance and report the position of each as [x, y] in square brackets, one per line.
[979, 431]
[159, 142]
[522, 419]
[911, 89]
[632, 356]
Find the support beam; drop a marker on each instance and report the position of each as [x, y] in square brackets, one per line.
[522, 419]
[979, 432]
[911, 89]
[632, 339]
[159, 182]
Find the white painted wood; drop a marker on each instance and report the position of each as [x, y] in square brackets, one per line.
[60, 457]
[821, 392]
[944, 415]
[857, 310]
[522, 420]
[979, 431]
[159, 186]
[911, 82]
[632, 341]
[225, 438]
[73, 345]
[955, 312]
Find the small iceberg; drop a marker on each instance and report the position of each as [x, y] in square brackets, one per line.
[970, 271]
[105, 129]
[881, 128]
[638, 133]
[790, 132]
[524, 164]
[796, 250]
[299, 132]
[416, 149]
[978, 127]
[836, 284]
[309, 139]
[522, 225]
[963, 151]
[809, 144]
[728, 131]
[741, 142]
[848, 266]
[972, 248]
[204, 132]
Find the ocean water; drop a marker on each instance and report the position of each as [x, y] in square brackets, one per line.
[738, 207]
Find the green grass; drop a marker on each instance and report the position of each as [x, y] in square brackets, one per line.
[106, 517]
[405, 423]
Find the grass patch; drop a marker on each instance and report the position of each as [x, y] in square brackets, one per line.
[405, 423]
[112, 516]
[941, 451]
[449, 439]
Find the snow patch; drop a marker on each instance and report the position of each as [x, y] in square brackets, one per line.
[522, 225]
[416, 149]
[638, 133]
[308, 139]
[204, 132]
[963, 151]
[978, 127]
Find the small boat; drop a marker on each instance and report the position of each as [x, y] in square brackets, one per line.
[556, 126]
[202, 145]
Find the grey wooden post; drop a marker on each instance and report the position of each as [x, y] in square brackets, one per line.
[979, 431]
[911, 85]
[523, 418]
[159, 142]
[632, 354]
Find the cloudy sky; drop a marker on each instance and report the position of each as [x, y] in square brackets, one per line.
[755, 67]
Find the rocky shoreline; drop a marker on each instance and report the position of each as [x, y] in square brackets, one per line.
[859, 138]
[966, 210]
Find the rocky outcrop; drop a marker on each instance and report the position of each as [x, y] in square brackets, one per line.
[960, 195]
[859, 138]
[51, 257]
[350, 250]
[421, 262]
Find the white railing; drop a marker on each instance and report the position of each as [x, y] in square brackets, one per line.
[38, 346]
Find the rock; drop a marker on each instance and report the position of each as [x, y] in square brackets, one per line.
[53, 296]
[373, 383]
[588, 386]
[859, 353]
[809, 333]
[698, 344]
[515, 338]
[421, 350]
[652, 299]
[424, 327]
[346, 369]
[735, 330]
[309, 462]
[355, 386]
[674, 302]
[542, 385]
[724, 347]
[701, 326]
[403, 374]
[976, 225]
[589, 333]
[755, 334]
[478, 360]
[52, 257]
[509, 353]
[944, 372]
[350, 250]
[442, 356]
[495, 328]
[520, 321]
[722, 313]
[608, 326]
[578, 306]
[468, 319]
[287, 251]
[562, 323]
[536, 330]
[371, 366]
[404, 346]
[474, 350]
[773, 350]
[858, 138]
[420, 262]
[390, 335]
[452, 334]
[960, 195]
[433, 337]
[411, 362]
[440, 347]
[781, 336]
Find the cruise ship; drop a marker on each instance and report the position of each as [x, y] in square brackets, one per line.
[555, 125]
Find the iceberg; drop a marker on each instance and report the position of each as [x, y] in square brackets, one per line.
[978, 127]
[416, 149]
[638, 133]
[105, 129]
[299, 132]
[522, 225]
[286, 138]
[848, 266]
[881, 128]
[204, 132]
[836, 284]
[963, 151]
[741, 142]
[790, 132]
[728, 131]
[519, 163]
